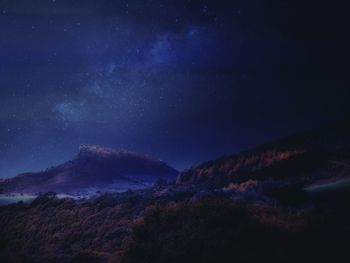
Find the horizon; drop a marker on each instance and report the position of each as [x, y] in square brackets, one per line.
[252, 147]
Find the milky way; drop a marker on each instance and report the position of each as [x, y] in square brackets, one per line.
[182, 80]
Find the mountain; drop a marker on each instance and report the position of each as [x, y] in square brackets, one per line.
[94, 168]
[317, 156]
[247, 201]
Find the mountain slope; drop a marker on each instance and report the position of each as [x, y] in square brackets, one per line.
[94, 167]
[306, 158]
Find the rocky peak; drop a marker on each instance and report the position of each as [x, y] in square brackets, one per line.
[89, 150]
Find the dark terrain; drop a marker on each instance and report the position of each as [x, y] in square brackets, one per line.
[286, 201]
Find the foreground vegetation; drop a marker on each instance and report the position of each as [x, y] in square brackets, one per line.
[148, 226]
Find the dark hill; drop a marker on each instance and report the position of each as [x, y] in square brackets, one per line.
[316, 156]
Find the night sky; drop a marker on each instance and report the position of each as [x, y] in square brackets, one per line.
[185, 81]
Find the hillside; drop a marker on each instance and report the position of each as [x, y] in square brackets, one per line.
[321, 154]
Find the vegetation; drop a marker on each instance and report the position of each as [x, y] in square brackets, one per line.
[62, 230]
[174, 225]
[221, 231]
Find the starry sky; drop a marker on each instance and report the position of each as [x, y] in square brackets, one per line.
[183, 80]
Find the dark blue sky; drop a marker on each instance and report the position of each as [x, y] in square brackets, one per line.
[184, 80]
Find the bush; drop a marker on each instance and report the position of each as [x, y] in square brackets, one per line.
[220, 231]
[207, 231]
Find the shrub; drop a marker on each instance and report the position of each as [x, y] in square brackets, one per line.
[220, 231]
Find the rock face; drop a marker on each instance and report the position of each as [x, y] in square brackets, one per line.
[94, 168]
[318, 155]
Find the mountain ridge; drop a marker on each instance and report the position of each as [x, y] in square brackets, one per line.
[94, 167]
[305, 152]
